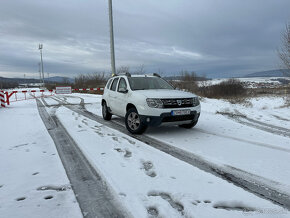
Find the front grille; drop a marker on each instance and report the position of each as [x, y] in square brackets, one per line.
[177, 103]
[178, 118]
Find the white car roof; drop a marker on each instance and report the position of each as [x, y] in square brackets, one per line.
[137, 75]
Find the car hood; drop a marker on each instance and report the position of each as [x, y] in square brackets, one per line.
[164, 93]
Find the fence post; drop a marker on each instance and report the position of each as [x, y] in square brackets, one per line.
[7, 98]
[2, 98]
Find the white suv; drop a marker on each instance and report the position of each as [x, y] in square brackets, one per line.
[148, 100]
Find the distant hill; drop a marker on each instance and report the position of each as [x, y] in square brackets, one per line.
[55, 79]
[197, 78]
[6, 83]
[268, 73]
[18, 80]
[59, 79]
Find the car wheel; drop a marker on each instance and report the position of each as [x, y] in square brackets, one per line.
[133, 122]
[106, 114]
[189, 125]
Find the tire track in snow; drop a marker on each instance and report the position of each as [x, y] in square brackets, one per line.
[257, 185]
[244, 120]
[92, 193]
[119, 122]
[245, 140]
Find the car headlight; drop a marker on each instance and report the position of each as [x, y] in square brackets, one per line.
[154, 102]
[195, 102]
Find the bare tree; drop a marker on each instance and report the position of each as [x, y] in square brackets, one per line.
[140, 70]
[65, 81]
[284, 51]
[188, 81]
[123, 69]
[91, 80]
[188, 76]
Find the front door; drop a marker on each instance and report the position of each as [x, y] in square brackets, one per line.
[122, 97]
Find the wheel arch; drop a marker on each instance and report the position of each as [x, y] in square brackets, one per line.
[129, 106]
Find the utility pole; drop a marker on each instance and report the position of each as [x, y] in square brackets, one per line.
[39, 70]
[40, 48]
[112, 38]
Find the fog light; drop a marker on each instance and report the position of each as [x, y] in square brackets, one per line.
[148, 120]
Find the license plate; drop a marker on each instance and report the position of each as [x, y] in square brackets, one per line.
[180, 112]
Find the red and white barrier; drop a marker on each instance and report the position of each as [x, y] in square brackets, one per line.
[2, 98]
[32, 93]
[28, 91]
[51, 90]
[20, 95]
[89, 89]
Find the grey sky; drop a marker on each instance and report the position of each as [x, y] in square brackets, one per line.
[212, 37]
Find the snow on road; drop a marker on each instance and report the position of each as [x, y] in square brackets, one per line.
[150, 182]
[224, 141]
[33, 182]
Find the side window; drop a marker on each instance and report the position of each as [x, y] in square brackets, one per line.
[109, 83]
[122, 85]
[114, 84]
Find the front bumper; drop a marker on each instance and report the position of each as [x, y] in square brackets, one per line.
[167, 118]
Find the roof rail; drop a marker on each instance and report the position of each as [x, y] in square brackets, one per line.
[156, 74]
[126, 74]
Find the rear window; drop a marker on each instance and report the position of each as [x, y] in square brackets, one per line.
[109, 83]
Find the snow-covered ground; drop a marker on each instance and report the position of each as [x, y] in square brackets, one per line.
[148, 181]
[224, 141]
[227, 142]
[33, 182]
[273, 110]
[252, 82]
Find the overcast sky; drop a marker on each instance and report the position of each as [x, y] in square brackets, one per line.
[211, 37]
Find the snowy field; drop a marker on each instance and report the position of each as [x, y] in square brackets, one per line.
[252, 82]
[147, 181]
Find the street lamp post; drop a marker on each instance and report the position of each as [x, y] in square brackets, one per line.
[112, 38]
[42, 73]
[39, 70]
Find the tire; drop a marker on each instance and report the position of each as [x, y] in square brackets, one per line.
[133, 122]
[189, 125]
[105, 112]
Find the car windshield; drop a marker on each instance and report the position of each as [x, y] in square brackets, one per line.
[144, 83]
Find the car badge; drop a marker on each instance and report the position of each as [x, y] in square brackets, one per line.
[179, 102]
